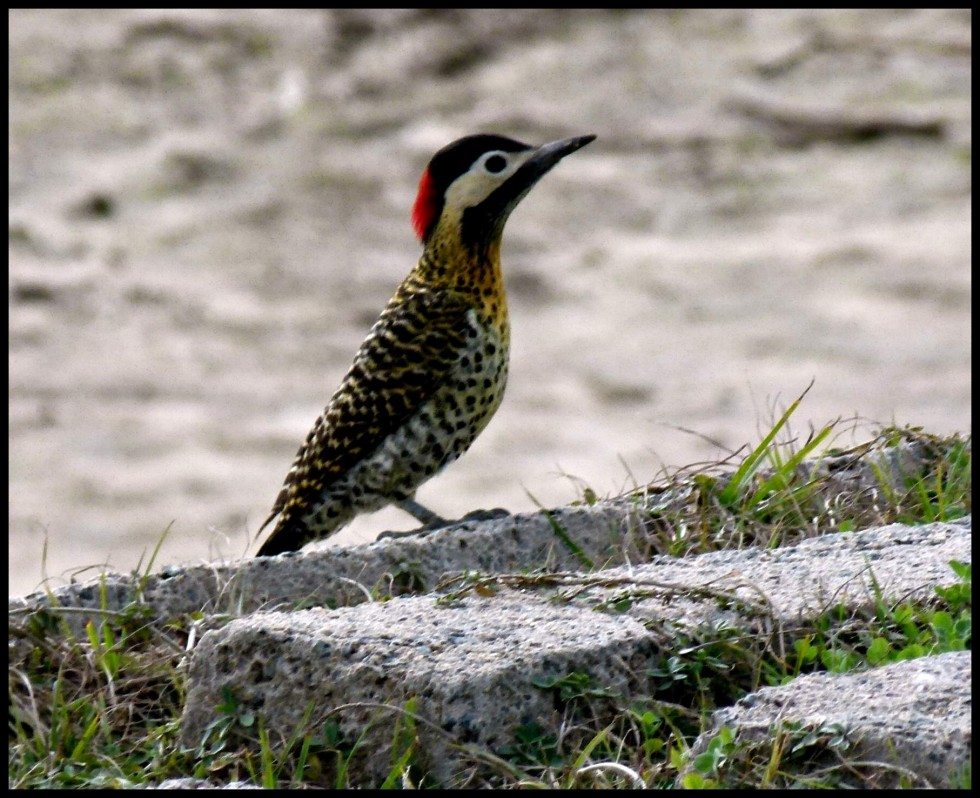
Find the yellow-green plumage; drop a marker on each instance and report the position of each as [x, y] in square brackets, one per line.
[432, 371]
[423, 385]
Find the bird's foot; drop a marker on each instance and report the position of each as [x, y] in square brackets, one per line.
[422, 530]
[486, 515]
[422, 514]
[433, 522]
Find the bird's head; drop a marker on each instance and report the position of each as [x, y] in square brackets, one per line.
[470, 186]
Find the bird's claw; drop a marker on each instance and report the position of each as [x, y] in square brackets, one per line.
[441, 523]
[486, 515]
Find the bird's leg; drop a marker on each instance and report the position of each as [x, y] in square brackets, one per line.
[431, 521]
[423, 515]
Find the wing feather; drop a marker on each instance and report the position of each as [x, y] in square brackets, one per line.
[400, 365]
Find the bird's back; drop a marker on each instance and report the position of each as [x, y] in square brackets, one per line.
[424, 383]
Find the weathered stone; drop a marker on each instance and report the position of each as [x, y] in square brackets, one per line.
[909, 721]
[471, 661]
[201, 784]
[606, 534]
[470, 665]
[346, 576]
[795, 583]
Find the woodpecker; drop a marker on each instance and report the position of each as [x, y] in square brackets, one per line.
[432, 370]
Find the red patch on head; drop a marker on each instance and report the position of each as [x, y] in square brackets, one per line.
[426, 206]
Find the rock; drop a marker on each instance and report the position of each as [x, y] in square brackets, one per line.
[474, 666]
[909, 722]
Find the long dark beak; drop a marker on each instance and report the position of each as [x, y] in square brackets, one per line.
[546, 157]
[495, 209]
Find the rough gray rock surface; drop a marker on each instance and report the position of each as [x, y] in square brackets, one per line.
[914, 717]
[470, 664]
[201, 784]
[472, 659]
[792, 583]
[607, 534]
[346, 576]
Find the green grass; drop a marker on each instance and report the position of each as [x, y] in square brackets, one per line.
[102, 708]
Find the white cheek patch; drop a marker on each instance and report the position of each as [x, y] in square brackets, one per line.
[476, 185]
[470, 189]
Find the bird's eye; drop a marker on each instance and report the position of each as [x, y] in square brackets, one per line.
[495, 164]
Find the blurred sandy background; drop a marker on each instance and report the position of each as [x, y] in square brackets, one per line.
[208, 209]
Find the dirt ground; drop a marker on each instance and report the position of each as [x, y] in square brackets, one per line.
[208, 209]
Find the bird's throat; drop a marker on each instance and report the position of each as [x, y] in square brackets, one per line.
[474, 273]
